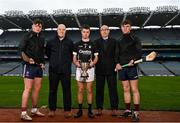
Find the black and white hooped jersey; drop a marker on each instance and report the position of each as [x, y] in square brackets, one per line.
[85, 51]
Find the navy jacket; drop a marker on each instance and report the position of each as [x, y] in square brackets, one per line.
[33, 46]
[106, 58]
[128, 48]
[59, 54]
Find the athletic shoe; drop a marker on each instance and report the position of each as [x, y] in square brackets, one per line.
[36, 113]
[99, 112]
[126, 113]
[78, 114]
[90, 114]
[114, 112]
[135, 117]
[25, 117]
[51, 114]
[68, 114]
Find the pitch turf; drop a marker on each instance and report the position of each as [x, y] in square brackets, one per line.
[157, 93]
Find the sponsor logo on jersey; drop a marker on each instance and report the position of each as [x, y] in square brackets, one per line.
[85, 52]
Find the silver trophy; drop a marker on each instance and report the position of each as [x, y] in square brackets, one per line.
[84, 69]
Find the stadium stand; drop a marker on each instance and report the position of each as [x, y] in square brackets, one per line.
[11, 38]
[177, 32]
[154, 69]
[146, 37]
[172, 66]
[6, 68]
[164, 40]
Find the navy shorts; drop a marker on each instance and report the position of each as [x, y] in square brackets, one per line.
[32, 71]
[128, 73]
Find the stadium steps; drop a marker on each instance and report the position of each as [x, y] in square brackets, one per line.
[173, 66]
[140, 71]
[154, 69]
[167, 68]
[10, 68]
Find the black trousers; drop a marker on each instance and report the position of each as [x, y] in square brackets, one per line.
[112, 86]
[54, 79]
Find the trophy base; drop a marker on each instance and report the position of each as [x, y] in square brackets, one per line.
[84, 78]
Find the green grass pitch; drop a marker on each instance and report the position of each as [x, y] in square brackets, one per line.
[157, 93]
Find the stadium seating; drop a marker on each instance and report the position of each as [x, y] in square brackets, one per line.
[154, 69]
[173, 66]
[156, 39]
[11, 38]
[147, 36]
[6, 67]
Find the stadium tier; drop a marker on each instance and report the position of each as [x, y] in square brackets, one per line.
[173, 67]
[154, 69]
[168, 49]
[147, 36]
[140, 16]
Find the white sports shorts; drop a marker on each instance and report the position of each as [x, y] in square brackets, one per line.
[90, 73]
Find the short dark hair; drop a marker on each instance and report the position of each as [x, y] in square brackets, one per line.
[38, 21]
[125, 22]
[85, 27]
